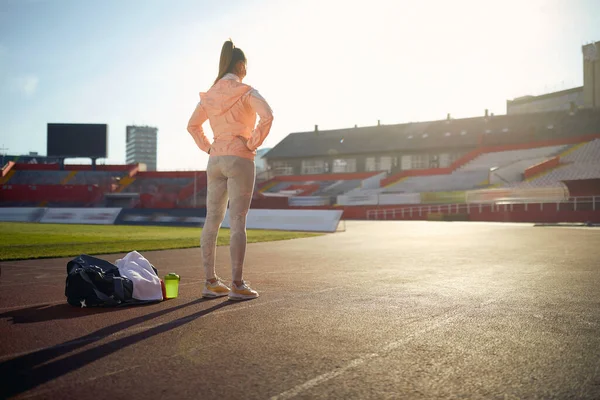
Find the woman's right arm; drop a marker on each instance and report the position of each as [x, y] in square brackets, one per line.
[195, 128]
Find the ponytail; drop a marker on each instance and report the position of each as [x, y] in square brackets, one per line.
[230, 55]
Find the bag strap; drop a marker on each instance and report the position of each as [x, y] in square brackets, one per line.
[108, 300]
[118, 288]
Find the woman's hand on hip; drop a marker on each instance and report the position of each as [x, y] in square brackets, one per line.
[244, 140]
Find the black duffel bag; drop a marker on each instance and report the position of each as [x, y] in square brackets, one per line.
[93, 282]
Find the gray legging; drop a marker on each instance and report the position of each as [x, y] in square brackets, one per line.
[234, 176]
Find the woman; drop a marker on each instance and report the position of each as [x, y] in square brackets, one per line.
[231, 108]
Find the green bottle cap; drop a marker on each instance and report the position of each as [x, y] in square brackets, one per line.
[171, 276]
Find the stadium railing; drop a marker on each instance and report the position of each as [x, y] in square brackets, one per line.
[535, 209]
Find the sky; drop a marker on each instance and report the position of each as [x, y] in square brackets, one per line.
[332, 63]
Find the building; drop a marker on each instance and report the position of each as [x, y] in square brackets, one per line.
[420, 145]
[562, 100]
[586, 96]
[388, 148]
[591, 74]
[261, 163]
[262, 169]
[142, 146]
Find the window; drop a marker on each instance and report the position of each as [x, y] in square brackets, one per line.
[419, 161]
[434, 161]
[370, 164]
[344, 165]
[313, 167]
[405, 162]
[444, 160]
[385, 164]
[282, 168]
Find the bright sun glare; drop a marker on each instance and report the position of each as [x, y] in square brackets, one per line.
[338, 64]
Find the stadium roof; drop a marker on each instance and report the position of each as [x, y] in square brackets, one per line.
[352, 141]
[417, 136]
[529, 98]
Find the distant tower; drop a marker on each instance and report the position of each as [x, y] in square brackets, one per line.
[141, 146]
[591, 74]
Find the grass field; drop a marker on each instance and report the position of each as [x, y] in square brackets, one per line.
[26, 240]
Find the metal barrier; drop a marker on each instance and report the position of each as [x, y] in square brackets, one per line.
[589, 203]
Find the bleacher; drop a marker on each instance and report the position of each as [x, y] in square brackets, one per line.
[84, 186]
[583, 162]
[33, 177]
[459, 180]
[103, 179]
[513, 172]
[155, 185]
[503, 158]
[48, 185]
[167, 189]
[303, 188]
[323, 185]
[338, 187]
[499, 166]
[565, 172]
[49, 195]
[198, 201]
[277, 187]
[587, 153]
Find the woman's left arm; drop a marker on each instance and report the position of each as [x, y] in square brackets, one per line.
[262, 108]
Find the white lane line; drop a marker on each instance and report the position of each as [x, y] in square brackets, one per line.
[296, 390]
[323, 378]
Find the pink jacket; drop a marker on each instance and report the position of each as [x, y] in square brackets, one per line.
[231, 108]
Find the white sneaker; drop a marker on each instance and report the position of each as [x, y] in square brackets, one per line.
[217, 289]
[243, 292]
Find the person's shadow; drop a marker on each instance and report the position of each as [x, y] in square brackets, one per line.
[53, 312]
[28, 371]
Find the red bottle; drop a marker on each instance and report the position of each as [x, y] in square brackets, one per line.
[164, 289]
